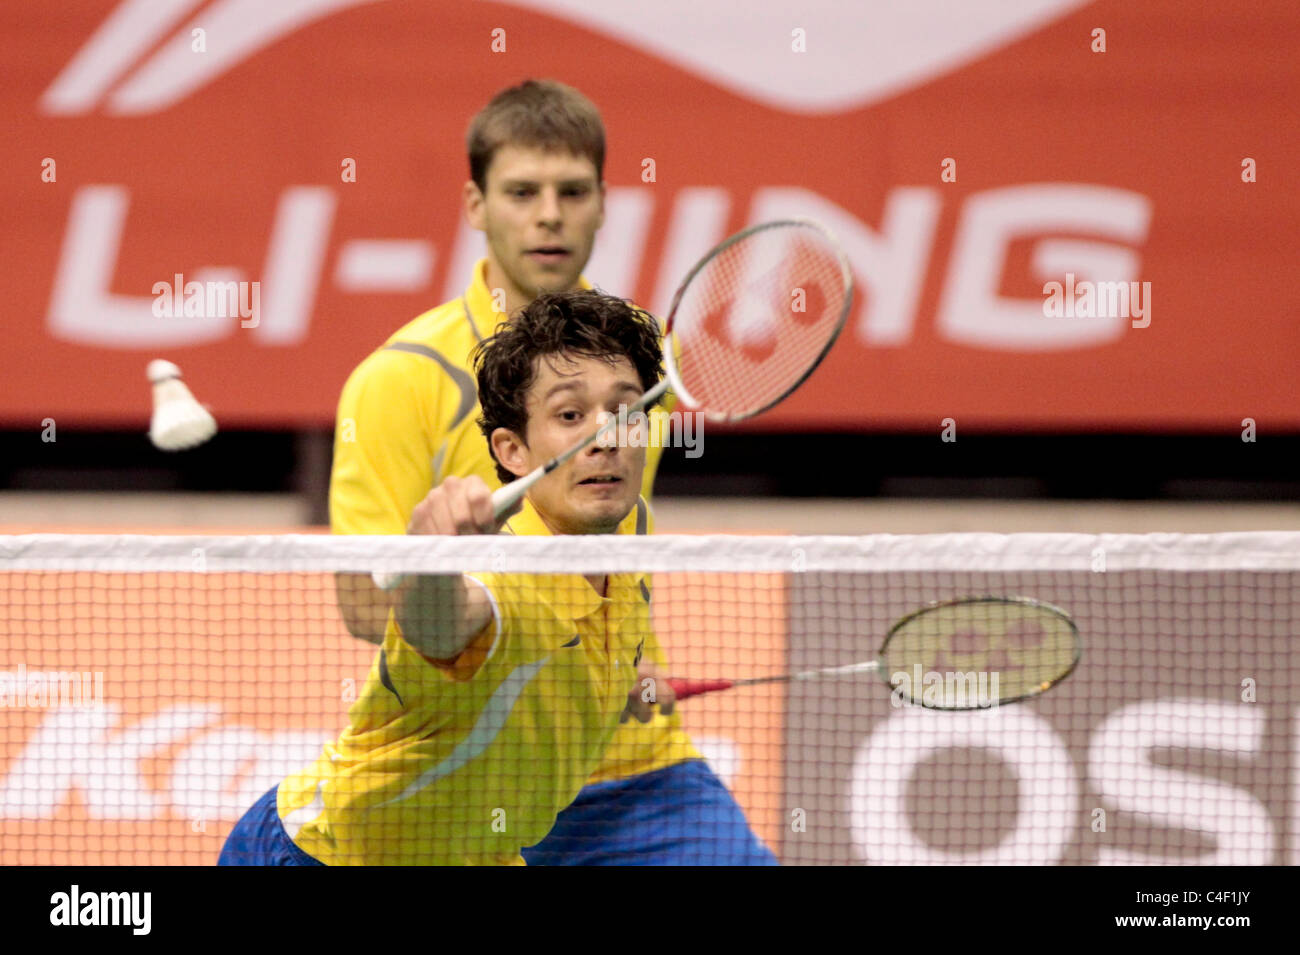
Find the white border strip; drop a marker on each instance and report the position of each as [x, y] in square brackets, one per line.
[303, 553]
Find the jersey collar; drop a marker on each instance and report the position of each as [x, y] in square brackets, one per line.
[579, 600]
[528, 523]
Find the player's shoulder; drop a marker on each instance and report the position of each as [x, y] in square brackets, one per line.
[435, 327]
[435, 341]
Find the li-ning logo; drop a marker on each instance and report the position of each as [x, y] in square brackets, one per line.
[147, 76]
[150, 65]
[639, 647]
[103, 908]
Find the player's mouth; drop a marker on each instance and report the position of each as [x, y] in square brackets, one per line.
[602, 480]
[549, 254]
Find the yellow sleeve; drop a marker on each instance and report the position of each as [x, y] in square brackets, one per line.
[524, 628]
[384, 442]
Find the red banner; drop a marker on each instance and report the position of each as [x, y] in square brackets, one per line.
[1061, 215]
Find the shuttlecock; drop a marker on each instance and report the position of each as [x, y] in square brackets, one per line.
[179, 422]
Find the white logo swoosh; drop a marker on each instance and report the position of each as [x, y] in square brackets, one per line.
[857, 52]
[235, 30]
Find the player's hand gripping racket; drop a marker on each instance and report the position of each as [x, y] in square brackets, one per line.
[985, 651]
[747, 326]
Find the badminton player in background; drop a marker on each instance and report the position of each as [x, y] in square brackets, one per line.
[406, 422]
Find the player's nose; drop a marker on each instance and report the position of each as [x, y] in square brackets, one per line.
[548, 207]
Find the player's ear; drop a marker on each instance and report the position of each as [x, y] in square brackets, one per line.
[511, 451]
[473, 204]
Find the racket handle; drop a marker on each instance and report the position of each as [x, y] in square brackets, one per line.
[688, 688]
[503, 500]
[506, 497]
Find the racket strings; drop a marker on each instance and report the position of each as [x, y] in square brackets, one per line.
[1028, 646]
[757, 318]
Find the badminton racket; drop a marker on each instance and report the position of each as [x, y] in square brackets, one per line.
[747, 326]
[963, 654]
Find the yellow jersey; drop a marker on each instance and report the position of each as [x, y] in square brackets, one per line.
[407, 419]
[465, 762]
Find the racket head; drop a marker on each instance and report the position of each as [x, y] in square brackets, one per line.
[1009, 648]
[755, 317]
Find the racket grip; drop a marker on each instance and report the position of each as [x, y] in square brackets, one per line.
[688, 688]
[504, 498]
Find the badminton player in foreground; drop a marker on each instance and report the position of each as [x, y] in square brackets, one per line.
[495, 696]
[406, 423]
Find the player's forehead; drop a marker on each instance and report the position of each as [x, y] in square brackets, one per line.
[516, 163]
[565, 373]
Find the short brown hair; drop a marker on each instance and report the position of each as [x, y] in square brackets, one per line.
[579, 322]
[542, 114]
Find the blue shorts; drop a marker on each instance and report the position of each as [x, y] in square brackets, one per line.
[259, 839]
[678, 815]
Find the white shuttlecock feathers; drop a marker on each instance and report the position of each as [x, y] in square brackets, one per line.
[179, 422]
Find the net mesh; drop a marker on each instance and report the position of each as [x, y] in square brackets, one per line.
[757, 318]
[154, 690]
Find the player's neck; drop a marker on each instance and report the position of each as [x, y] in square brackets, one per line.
[599, 582]
[496, 278]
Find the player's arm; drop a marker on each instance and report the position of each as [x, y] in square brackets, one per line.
[440, 615]
[381, 468]
[363, 605]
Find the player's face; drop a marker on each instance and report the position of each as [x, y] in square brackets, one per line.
[594, 491]
[540, 213]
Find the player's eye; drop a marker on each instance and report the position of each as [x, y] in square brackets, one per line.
[570, 416]
[577, 191]
[521, 193]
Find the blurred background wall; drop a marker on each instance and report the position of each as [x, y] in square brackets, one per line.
[966, 154]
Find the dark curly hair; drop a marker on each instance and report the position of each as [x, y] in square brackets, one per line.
[574, 323]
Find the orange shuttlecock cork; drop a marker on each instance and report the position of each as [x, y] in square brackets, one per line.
[179, 421]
